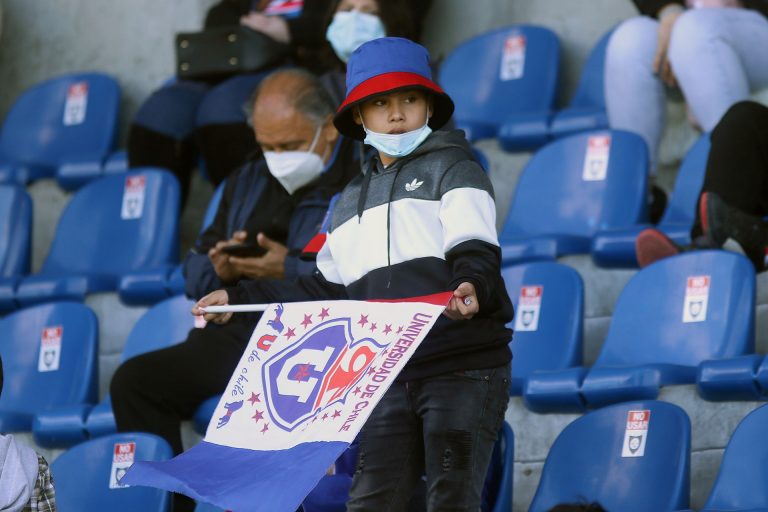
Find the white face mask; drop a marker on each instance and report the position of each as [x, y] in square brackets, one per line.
[294, 169]
[350, 29]
[397, 144]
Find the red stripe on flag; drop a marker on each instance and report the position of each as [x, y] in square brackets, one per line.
[438, 299]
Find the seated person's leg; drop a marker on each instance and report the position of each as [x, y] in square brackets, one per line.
[155, 391]
[161, 134]
[734, 197]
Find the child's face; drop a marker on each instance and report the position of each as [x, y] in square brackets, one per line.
[396, 112]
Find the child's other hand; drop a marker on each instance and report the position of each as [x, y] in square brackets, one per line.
[464, 304]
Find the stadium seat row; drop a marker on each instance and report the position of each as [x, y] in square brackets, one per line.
[633, 457]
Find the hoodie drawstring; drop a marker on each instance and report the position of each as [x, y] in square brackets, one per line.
[361, 208]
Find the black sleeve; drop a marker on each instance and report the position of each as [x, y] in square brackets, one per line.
[304, 288]
[479, 263]
[652, 7]
[226, 13]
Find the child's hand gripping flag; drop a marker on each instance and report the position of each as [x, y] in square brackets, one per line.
[305, 385]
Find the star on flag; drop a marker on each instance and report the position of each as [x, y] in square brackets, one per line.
[254, 398]
[258, 416]
[324, 313]
[290, 333]
[363, 320]
[307, 321]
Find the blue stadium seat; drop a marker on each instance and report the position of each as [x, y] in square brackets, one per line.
[204, 413]
[15, 240]
[117, 224]
[665, 323]
[64, 127]
[585, 462]
[497, 494]
[616, 247]
[586, 110]
[549, 317]
[49, 358]
[85, 475]
[148, 286]
[567, 193]
[166, 324]
[737, 378]
[740, 483]
[205, 507]
[504, 84]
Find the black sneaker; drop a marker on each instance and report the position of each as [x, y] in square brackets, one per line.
[657, 203]
[721, 221]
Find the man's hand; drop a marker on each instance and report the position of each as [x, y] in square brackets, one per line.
[269, 266]
[221, 260]
[217, 298]
[667, 18]
[464, 304]
[274, 27]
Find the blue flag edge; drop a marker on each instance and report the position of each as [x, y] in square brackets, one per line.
[240, 479]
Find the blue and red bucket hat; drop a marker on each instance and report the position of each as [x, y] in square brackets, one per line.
[386, 65]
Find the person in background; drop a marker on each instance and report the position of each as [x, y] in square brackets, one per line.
[277, 203]
[733, 203]
[709, 50]
[164, 134]
[26, 484]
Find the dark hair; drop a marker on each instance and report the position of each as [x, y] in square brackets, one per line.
[308, 95]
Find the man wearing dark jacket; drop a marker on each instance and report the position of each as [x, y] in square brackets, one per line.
[278, 204]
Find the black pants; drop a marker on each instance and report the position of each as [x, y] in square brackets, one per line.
[737, 167]
[154, 392]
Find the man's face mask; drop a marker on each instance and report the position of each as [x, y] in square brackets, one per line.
[294, 169]
[350, 29]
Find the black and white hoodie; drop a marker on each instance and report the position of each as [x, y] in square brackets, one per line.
[422, 225]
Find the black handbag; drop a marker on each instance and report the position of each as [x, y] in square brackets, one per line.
[219, 52]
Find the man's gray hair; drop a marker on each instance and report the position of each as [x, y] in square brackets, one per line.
[309, 96]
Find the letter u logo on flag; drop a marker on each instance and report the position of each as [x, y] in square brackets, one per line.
[295, 401]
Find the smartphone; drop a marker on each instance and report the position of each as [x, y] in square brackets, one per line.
[244, 250]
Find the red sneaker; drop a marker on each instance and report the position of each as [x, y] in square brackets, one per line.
[652, 245]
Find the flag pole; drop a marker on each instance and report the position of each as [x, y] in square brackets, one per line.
[236, 308]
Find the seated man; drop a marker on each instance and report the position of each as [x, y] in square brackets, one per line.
[734, 197]
[280, 211]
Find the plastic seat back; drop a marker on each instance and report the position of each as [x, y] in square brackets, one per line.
[690, 177]
[49, 360]
[633, 457]
[590, 92]
[568, 188]
[15, 230]
[86, 475]
[740, 483]
[683, 310]
[66, 119]
[117, 224]
[549, 315]
[508, 71]
[164, 324]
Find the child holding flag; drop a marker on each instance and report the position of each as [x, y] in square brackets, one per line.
[420, 220]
